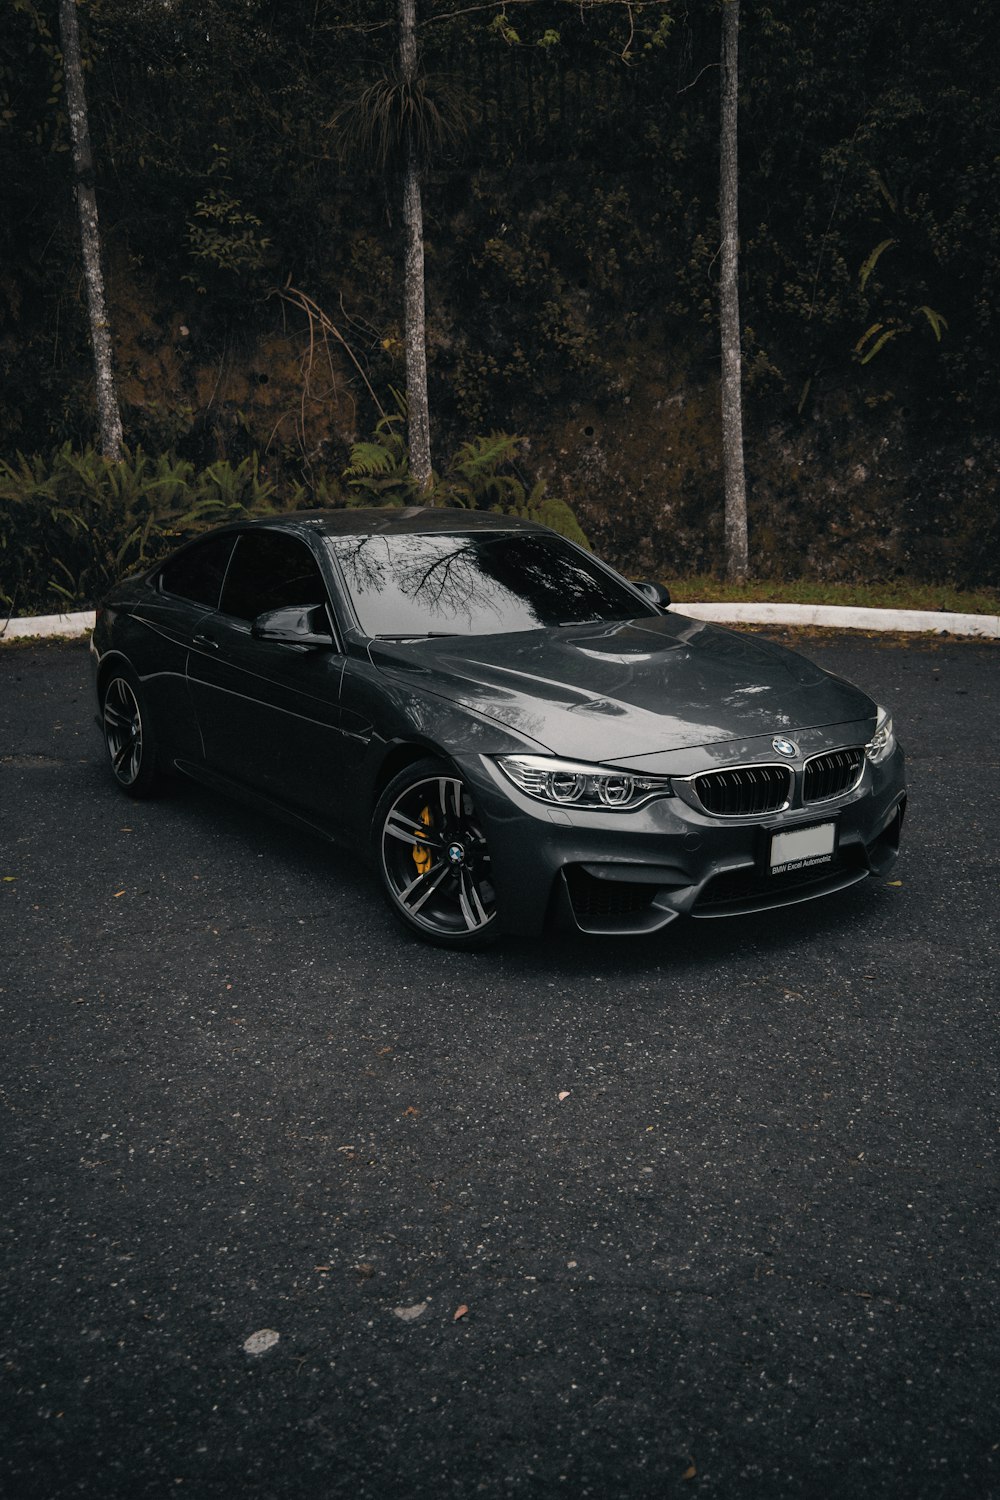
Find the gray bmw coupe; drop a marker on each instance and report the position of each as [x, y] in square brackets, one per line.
[512, 732]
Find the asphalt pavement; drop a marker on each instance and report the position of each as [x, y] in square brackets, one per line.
[293, 1206]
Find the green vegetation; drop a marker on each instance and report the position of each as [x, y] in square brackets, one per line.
[71, 526]
[254, 265]
[483, 474]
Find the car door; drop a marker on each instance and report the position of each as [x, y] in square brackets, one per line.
[160, 630]
[269, 710]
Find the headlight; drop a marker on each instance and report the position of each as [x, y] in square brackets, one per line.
[573, 783]
[883, 741]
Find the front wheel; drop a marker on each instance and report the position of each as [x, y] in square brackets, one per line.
[433, 858]
[127, 736]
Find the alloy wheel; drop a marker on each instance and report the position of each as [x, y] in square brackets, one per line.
[123, 731]
[435, 860]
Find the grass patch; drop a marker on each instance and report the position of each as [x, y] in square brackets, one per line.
[899, 594]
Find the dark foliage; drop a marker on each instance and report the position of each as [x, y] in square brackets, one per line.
[571, 256]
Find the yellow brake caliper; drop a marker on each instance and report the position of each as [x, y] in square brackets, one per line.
[422, 856]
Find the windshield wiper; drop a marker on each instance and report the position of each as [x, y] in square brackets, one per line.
[417, 635]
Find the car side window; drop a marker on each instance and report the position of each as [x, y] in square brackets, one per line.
[271, 571]
[198, 571]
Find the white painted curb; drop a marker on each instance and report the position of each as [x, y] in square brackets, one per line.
[75, 624]
[847, 617]
[835, 616]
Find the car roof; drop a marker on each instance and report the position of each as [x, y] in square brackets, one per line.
[395, 521]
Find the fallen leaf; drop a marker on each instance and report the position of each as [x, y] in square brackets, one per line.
[117, 894]
[459, 1312]
[10, 877]
[563, 1095]
[411, 1110]
[261, 1341]
[321, 1268]
[410, 1314]
[365, 1271]
[689, 1473]
[894, 882]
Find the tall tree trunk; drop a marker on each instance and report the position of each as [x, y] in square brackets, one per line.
[418, 407]
[734, 472]
[109, 415]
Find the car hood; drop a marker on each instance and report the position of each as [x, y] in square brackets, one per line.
[629, 689]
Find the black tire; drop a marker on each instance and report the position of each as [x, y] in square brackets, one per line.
[128, 735]
[432, 858]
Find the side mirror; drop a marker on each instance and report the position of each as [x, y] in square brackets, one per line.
[293, 626]
[656, 593]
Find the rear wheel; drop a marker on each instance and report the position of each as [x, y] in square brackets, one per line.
[433, 858]
[127, 735]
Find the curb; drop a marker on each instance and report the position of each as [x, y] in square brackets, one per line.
[847, 617]
[835, 616]
[42, 625]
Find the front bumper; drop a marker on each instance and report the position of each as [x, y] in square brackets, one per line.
[634, 872]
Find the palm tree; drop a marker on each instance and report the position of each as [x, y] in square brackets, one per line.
[417, 404]
[108, 412]
[397, 125]
[734, 472]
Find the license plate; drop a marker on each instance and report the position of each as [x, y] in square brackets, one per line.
[799, 848]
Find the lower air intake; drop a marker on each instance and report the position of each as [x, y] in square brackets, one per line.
[605, 898]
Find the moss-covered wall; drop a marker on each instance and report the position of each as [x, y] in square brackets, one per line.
[838, 491]
[571, 260]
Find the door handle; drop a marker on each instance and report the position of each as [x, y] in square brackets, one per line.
[208, 641]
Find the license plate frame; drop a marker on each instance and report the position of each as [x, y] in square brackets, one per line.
[807, 846]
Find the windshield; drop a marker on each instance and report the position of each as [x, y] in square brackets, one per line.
[476, 583]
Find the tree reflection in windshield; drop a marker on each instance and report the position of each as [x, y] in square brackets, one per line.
[480, 583]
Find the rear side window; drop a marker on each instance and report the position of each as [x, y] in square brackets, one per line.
[198, 571]
[271, 571]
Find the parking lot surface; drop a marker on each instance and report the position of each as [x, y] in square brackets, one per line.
[293, 1206]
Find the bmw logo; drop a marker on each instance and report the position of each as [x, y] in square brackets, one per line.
[456, 854]
[783, 746]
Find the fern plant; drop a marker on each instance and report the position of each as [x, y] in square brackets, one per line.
[378, 472]
[72, 525]
[482, 474]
